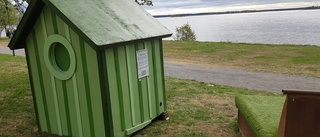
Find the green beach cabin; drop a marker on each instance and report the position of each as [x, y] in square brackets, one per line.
[96, 67]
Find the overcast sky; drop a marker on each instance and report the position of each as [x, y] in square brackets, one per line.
[196, 6]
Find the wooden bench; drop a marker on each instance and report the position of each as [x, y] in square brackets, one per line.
[299, 115]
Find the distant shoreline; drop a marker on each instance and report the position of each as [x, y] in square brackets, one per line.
[235, 12]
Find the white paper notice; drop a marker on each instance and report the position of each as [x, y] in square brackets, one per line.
[142, 61]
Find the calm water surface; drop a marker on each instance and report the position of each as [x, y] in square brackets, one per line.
[300, 27]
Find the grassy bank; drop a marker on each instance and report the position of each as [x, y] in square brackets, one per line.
[284, 59]
[195, 108]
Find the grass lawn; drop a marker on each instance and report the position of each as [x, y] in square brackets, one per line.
[199, 109]
[284, 59]
[17, 116]
[195, 108]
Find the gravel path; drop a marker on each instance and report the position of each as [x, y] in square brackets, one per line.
[232, 77]
[240, 78]
[6, 50]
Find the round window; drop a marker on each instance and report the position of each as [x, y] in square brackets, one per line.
[59, 57]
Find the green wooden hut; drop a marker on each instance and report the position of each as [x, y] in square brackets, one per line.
[96, 67]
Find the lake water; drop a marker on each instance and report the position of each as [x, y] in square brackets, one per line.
[301, 27]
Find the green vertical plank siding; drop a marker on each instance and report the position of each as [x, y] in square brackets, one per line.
[60, 26]
[140, 100]
[32, 87]
[87, 91]
[155, 74]
[114, 91]
[77, 106]
[36, 78]
[72, 107]
[41, 34]
[93, 79]
[50, 27]
[78, 126]
[134, 102]
[162, 78]
[123, 68]
[63, 107]
[133, 84]
[105, 96]
[119, 90]
[130, 83]
[151, 81]
[48, 21]
[82, 85]
[160, 74]
[144, 92]
[56, 104]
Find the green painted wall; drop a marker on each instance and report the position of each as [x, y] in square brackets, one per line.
[65, 107]
[135, 102]
[104, 96]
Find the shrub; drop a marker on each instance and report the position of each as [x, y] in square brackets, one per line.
[185, 33]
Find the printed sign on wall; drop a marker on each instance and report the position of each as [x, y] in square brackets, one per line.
[142, 61]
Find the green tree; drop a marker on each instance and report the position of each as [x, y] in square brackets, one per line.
[8, 15]
[185, 33]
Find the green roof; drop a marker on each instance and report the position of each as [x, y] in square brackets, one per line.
[103, 22]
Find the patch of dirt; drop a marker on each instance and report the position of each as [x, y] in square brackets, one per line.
[200, 63]
[16, 126]
[4, 44]
[213, 129]
[205, 100]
